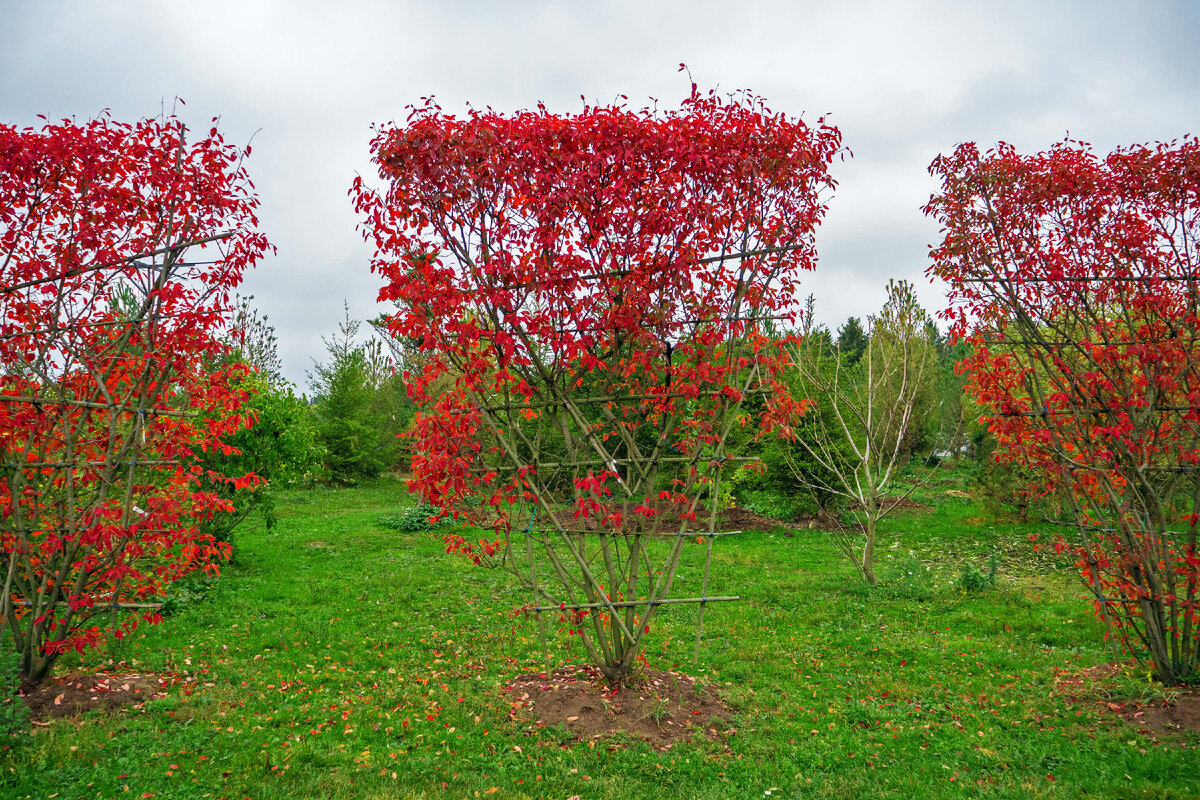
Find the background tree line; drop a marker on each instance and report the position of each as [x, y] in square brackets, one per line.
[350, 427]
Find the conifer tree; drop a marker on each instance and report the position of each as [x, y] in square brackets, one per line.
[347, 423]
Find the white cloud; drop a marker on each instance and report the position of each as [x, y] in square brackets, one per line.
[904, 80]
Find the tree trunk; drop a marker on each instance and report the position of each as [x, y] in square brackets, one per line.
[868, 556]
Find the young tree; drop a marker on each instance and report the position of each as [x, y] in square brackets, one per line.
[1074, 275]
[862, 436]
[119, 248]
[252, 341]
[348, 425]
[595, 285]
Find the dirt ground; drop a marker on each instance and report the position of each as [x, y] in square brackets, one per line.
[662, 707]
[73, 695]
[1177, 712]
[743, 519]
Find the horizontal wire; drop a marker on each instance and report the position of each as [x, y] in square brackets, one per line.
[71, 273]
[150, 412]
[62, 464]
[1095, 411]
[653, 534]
[552, 403]
[636, 603]
[1099, 529]
[598, 462]
[1084, 279]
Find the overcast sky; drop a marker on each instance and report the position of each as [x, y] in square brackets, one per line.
[903, 81]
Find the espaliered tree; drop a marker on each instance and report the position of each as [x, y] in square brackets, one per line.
[1075, 277]
[119, 248]
[595, 285]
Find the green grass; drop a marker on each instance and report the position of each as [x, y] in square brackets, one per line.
[339, 658]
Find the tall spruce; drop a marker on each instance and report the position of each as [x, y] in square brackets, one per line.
[348, 424]
[852, 341]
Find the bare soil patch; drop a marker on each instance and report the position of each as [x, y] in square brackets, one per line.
[743, 519]
[1163, 718]
[730, 519]
[825, 522]
[908, 504]
[663, 708]
[666, 521]
[73, 695]
[1176, 713]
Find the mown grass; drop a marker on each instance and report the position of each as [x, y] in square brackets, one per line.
[342, 659]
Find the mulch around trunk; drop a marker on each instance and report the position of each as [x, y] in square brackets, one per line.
[1178, 713]
[664, 708]
[74, 695]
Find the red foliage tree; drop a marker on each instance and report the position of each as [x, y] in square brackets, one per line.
[1075, 276]
[104, 331]
[591, 292]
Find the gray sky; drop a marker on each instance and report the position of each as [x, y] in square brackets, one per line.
[903, 80]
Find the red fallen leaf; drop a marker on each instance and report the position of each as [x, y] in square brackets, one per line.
[58, 700]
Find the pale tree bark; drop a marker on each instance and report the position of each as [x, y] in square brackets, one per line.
[856, 438]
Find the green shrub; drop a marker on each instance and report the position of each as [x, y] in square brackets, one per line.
[972, 580]
[281, 448]
[777, 504]
[411, 520]
[194, 588]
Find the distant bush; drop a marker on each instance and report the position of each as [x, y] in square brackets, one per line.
[193, 589]
[972, 580]
[281, 448]
[411, 520]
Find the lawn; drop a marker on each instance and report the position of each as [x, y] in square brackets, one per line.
[338, 658]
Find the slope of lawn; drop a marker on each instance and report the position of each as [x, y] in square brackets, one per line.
[342, 659]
